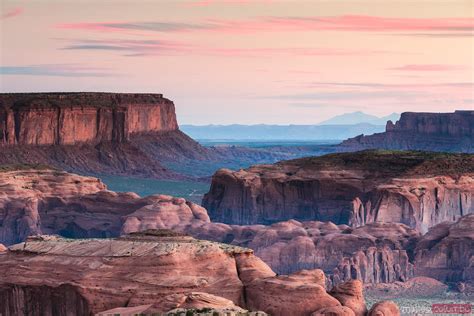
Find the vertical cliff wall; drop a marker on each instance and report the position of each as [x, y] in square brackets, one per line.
[457, 124]
[414, 188]
[450, 132]
[75, 118]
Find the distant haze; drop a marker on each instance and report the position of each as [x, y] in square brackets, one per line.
[360, 117]
[247, 61]
[337, 128]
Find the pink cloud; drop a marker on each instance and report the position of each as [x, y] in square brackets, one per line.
[433, 67]
[12, 13]
[349, 23]
[373, 23]
[160, 47]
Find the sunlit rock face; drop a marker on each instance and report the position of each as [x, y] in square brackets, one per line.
[447, 132]
[414, 188]
[155, 270]
[74, 118]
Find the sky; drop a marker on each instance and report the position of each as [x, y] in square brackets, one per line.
[247, 62]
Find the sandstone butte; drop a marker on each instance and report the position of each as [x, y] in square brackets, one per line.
[43, 201]
[74, 118]
[158, 270]
[446, 132]
[418, 189]
[106, 133]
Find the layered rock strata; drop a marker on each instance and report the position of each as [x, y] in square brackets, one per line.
[111, 133]
[42, 201]
[75, 118]
[448, 132]
[446, 252]
[414, 188]
[47, 275]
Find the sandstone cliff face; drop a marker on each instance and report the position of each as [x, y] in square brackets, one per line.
[413, 188]
[47, 275]
[75, 118]
[48, 201]
[110, 133]
[446, 252]
[375, 253]
[452, 132]
[38, 201]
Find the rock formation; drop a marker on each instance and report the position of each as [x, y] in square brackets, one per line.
[194, 303]
[43, 201]
[109, 133]
[350, 294]
[374, 253]
[76, 118]
[446, 252]
[384, 308]
[48, 275]
[334, 311]
[414, 188]
[448, 132]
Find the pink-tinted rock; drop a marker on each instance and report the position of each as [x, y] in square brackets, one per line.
[415, 287]
[351, 295]
[3, 248]
[446, 252]
[131, 271]
[384, 308]
[45, 201]
[73, 118]
[152, 271]
[334, 311]
[284, 295]
[447, 132]
[414, 188]
[197, 303]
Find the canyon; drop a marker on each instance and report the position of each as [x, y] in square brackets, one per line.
[417, 189]
[162, 270]
[126, 134]
[446, 132]
[37, 201]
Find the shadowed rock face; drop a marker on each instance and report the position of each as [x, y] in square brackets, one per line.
[55, 275]
[109, 133]
[45, 201]
[449, 132]
[446, 252]
[39, 201]
[414, 188]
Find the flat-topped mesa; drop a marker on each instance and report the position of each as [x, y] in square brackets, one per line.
[419, 189]
[452, 132]
[459, 123]
[75, 118]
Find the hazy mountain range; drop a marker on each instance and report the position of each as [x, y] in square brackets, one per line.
[360, 117]
[337, 128]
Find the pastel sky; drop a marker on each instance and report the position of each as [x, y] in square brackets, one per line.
[237, 61]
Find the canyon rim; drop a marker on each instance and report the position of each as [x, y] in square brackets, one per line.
[232, 158]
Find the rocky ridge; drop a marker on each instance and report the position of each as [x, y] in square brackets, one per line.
[414, 188]
[129, 134]
[42, 201]
[447, 132]
[49, 275]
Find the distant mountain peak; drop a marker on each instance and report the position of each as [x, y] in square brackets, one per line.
[359, 117]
